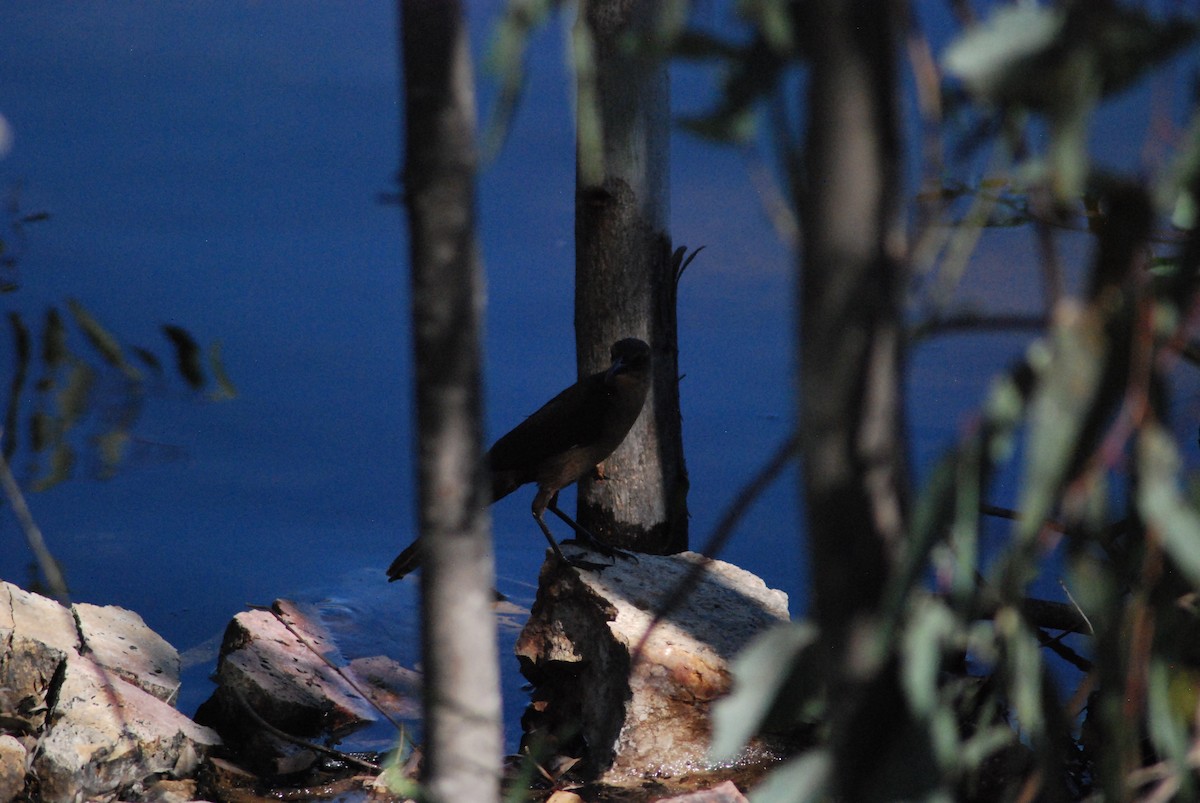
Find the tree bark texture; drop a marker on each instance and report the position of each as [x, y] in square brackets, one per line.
[624, 279]
[851, 287]
[462, 692]
[851, 417]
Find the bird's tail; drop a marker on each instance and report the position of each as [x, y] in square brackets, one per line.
[406, 562]
[504, 483]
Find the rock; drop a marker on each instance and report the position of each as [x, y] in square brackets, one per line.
[726, 792]
[96, 733]
[170, 792]
[108, 735]
[648, 717]
[13, 760]
[119, 640]
[388, 684]
[277, 666]
[36, 634]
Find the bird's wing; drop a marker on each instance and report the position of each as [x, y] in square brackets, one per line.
[570, 418]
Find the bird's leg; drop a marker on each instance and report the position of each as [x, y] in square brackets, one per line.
[540, 502]
[591, 540]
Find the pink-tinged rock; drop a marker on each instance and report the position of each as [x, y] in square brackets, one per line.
[276, 666]
[108, 736]
[119, 640]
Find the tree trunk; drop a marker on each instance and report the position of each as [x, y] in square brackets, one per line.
[463, 729]
[850, 345]
[624, 276]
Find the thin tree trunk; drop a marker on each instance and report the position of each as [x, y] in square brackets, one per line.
[463, 728]
[850, 345]
[624, 280]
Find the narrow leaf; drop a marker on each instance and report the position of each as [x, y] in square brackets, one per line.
[800, 780]
[102, 340]
[62, 461]
[187, 355]
[1161, 503]
[760, 673]
[54, 340]
[225, 387]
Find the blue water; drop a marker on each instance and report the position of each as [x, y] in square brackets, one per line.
[218, 166]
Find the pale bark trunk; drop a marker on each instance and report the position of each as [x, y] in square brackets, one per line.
[464, 737]
[624, 284]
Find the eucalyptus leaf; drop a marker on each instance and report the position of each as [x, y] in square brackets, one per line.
[1069, 375]
[1168, 727]
[62, 462]
[105, 343]
[760, 673]
[225, 388]
[800, 780]
[1161, 503]
[187, 355]
[994, 58]
[931, 625]
[54, 340]
[1023, 670]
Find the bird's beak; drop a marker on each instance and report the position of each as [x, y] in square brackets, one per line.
[617, 366]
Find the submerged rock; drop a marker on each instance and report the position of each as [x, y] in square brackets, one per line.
[279, 675]
[645, 714]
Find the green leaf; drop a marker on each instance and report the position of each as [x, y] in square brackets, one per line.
[1069, 372]
[62, 461]
[72, 400]
[760, 673]
[773, 21]
[1023, 668]
[800, 780]
[931, 625]
[1168, 726]
[1183, 215]
[225, 387]
[589, 121]
[112, 447]
[993, 59]
[506, 60]
[1161, 503]
[393, 779]
[102, 340]
[724, 126]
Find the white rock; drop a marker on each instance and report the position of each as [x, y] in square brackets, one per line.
[13, 764]
[649, 717]
[119, 640]
[109, 735]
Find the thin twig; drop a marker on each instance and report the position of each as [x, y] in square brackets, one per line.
[295, 631]
[33, 535]
[296, 740]
[722, 532]
[1067, 591]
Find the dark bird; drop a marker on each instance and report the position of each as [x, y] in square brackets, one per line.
[564, 440]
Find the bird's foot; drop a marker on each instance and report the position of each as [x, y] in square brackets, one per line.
[584, 538]
[586, 565]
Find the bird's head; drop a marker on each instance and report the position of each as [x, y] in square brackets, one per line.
[628, 356]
